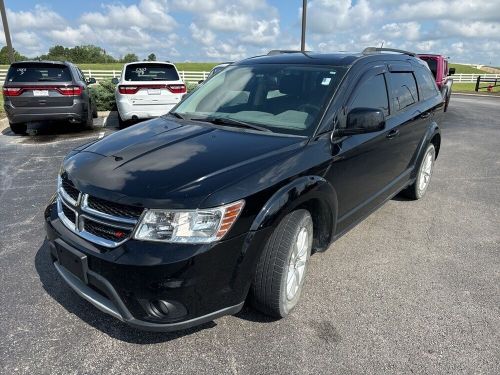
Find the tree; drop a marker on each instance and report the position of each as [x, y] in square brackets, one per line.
[4, 56]
[151, 57]
[79, 54]
[130, 57]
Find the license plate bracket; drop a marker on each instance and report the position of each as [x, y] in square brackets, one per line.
[40, 92]
[73, 260]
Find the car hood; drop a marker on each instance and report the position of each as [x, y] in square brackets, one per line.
[164, 163]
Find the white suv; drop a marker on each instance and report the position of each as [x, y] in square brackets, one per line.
[146, 90]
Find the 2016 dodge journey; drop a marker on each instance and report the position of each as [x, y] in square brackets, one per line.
[181, 219]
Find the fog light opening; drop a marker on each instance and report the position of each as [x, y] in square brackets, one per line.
[162, 309]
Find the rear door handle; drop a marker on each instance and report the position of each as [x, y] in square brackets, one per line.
[392, 134]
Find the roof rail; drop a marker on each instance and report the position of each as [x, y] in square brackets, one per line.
[371, 50]
[281, 51]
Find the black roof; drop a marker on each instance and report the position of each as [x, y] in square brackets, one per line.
[304, 58]
[315, 58]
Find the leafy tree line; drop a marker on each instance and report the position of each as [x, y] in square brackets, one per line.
[87, 54]
[4, 56]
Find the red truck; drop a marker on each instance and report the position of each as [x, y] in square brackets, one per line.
[438, 65]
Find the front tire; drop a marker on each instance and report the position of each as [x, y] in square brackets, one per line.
[282, 267]
[419, 187]
[19, 129]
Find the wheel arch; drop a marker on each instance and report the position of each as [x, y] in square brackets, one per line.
[312, 193]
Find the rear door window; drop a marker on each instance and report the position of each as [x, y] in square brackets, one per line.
[151, 72]
[372, 94]
[426, 84]
[38, 72]
[404, 90]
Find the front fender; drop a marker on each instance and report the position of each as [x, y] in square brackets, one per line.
[311, 192]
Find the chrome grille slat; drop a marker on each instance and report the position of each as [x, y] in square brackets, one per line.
[102, 228]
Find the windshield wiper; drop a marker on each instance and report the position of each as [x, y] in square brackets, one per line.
[176, 114]
[49, 79]
[231, 122]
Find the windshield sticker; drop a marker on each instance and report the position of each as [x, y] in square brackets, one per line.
[140, 71]
[326, 81]
[21, 71]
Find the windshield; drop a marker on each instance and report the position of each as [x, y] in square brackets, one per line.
[38, 72]
[282, 98]
[151, 72]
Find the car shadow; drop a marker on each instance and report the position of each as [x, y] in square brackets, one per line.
[74, 304]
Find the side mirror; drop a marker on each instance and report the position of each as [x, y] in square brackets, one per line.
[91, 81]
[363, 120]
[201, 81]
[114, 81]
[451, 71]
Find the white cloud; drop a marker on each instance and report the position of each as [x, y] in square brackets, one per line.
[205, 37]
[226, 51]
[408, 30]
[330, 16]
[148, 14]
[468, 31]
[262, 32]
[39, 19]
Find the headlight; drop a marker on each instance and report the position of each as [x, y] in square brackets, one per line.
[188, 226]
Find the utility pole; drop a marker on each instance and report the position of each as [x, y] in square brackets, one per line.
[304, 21]
[6, 31]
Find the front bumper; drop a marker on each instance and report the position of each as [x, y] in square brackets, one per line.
[198, 282]
[75, 113]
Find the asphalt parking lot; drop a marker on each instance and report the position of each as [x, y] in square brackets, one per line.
[415, 288]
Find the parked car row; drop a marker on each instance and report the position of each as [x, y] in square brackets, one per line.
[47, 90]
[181, 219]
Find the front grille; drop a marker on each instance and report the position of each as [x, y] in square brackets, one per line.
[69, 213]
[114, 209]
[69, 188]
[106, 231]
[97, 220]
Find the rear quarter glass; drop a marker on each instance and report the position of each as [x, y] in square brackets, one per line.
[38, 72]
[151, 72]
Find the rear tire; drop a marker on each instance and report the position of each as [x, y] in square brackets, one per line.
[447, 102]
[122, 124]
[94, 110]
[18, 128]
[419, 187]
[282, 267]
[89, 122]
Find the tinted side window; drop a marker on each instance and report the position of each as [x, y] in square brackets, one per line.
[81, 75]
[426, 84]
[372, 94]
[404, 90]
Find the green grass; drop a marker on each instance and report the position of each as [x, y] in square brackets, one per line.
[2, 114]
[189, 67]
[466, 69]
[469, 87]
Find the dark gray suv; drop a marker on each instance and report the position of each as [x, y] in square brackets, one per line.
[47, 90]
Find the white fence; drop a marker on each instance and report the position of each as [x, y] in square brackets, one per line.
[108, 74]
[187, 76]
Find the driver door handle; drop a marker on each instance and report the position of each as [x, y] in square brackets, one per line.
[392, 134]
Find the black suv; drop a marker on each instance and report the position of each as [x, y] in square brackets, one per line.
[180, 219]
[47, 90]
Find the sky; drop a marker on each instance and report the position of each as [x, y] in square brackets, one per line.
[467, 31]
